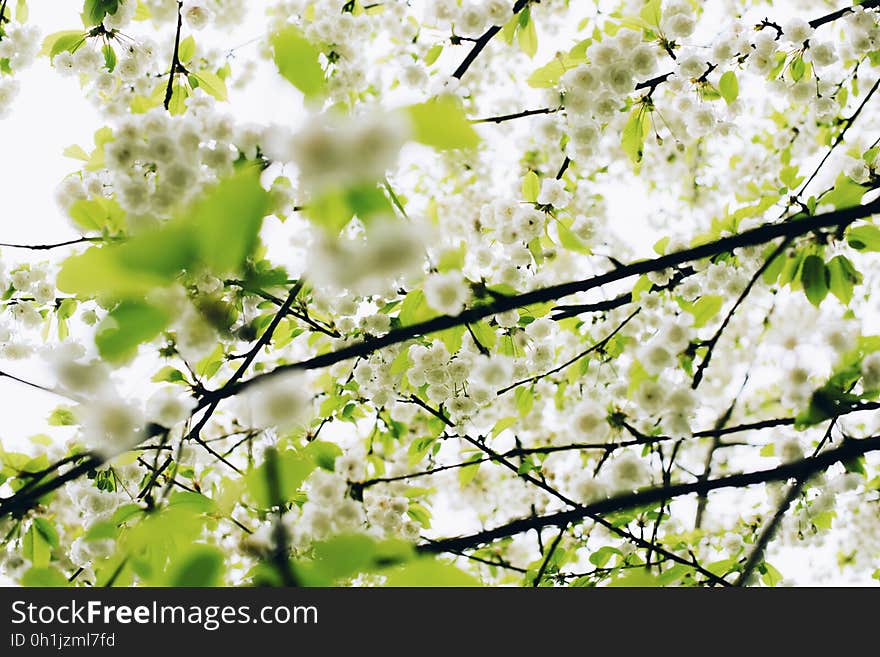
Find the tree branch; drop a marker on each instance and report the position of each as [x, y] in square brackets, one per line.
[760, 235]
[803, 468]
[175, 58]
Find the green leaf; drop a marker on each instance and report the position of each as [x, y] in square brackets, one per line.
[797, 68]
[35, 547]
[441, 124]
[227, 220]
[637, 577]
[864, 238]
[58, 42]
[324, 454]
[485, 334]
[21, 11]
[47, 531]
[770, 576]
[187, 49]
[433, 53]
[196, 502]
[151, 259]
[100, 531]
[298, 60]
[728, 87]
[531, 187]
[169, 374]
[651, 12]
[109, 57]
[842, 278]
[44, 577]
[414, 308]
[98, 214]
[467, 473]
[633, 137]
[569, 240]
[77, 153]
[334, 208]
[212, 84]
[94, 11]
[845, 194]
[814, 278]
[177, 103]
[62, 416]
[706, 308]
[293, 469]
[549, 74]
[526, 34]
[601, 556]
[128, 325]
[428, 572]
[201, 567]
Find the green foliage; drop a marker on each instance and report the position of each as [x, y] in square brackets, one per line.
[98, 214]
[441, 123]
[94, 11]
[210, 83]
[58, 42]
[428, 572]
[526, 34]
[335, 207]
[62, 416]
[227, 220]
[298, 60]
[433, 53]
[728, 87]
[201, 567]
[634, 132]
[38, 543]
[44, 577]
[292, 470]
[218, 231]
[865, 237]
[845, 194]
[705, 308]
[347, 555]
[531, 187]
[636, 577]
[814, 278]
[842, 278]
[549, 74]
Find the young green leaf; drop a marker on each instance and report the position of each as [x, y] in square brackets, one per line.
[441, 123]
[298, 60]
[531, 187]
[728, 87]
[127, 326]
[814, 278]
[633, 137]
[842, 278]
[864, 238]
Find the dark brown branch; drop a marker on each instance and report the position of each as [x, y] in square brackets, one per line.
[481, 43]
[849, 122]
[803, 468]
[760, 545]
[517, 115]
[599, 346]
[698, 375]
[48, 247]
[753, 237]
[550, 550]
[839, 13]
[175, 58]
